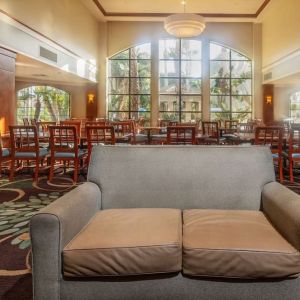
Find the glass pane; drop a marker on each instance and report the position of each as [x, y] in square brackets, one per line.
[295, 106]
[118, 116]
[237, 56]
[295, 114]
[219, 52]
[118, 68]
[241, 69]
[169, 68]
[191, 86]
[220, 69]
[295, 97]
[140, 68]
[122, 55]
[169, 49]
[145, 115]
[140, 103]
[241, 86]
[219, 116]
[242, 117]
[169, 116]
[168, 103]
[141, 51]
[118, 85]
[118, 102]
[219, 87]
[191, 49]
[190, 117]
[219, 104]
[140, 86]
[191, 103]
[191, 68]
[241, 103]
[169, 86]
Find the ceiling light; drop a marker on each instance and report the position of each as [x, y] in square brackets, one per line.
[185, 24]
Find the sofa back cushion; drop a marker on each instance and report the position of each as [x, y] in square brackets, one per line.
[181, 176]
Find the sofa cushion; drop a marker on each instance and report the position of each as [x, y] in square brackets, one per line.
[126, 242]
[235, 243]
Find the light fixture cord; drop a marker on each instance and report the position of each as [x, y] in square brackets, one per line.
[183, 3]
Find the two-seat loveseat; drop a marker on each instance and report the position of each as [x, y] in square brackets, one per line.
[171, 222]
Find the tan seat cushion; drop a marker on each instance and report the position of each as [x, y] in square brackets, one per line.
[126, 242]
[242, 244]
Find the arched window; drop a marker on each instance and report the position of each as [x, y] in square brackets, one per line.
[43, 103]
[129, 77]
[230, 84]
[295, 107]
[180, 80]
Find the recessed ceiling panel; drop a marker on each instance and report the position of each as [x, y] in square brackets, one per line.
[175, 6]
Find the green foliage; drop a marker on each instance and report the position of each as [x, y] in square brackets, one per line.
[45, 103]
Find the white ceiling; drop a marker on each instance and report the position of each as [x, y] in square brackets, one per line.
[29, 69]
[175, 6]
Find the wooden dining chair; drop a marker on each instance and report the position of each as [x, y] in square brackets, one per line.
[64, 147]
[26, 122]
[293, 150]
[124, 131]
[246, 133]
[25, 147]
[230, 132]
[43, 132]
[5, 154]
[210, 133]
[102, 134]
[75, 123]
[181, 135]
[271, 136]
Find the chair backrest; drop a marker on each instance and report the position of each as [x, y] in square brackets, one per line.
[43, 128]
[180, 176]
[77, 124]
[24, 139]
[63, 139]
[245, 128]
[231, 126]
[33, 122]
[26, 122]
[271, 136]
[211, 129]
[294, 139]
[102, 134]
[123, 129]
[181, 134]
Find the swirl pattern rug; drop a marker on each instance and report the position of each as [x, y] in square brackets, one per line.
[19, 200]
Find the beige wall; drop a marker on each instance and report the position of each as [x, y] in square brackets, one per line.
[122, 35]
[68, 22]
[282, 96]
[77, 95]
[280, 30]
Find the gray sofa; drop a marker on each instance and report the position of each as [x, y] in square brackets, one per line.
[193, 179]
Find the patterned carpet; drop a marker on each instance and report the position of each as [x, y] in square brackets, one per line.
[19, 200]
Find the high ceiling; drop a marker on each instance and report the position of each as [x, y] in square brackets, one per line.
[124, 9]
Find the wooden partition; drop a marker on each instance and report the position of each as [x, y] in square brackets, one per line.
[7, 89]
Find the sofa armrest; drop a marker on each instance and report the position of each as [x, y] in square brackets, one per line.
[52, 228]
[282, 207]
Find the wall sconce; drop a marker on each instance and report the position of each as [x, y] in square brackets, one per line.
[91, 98]
[269, 99]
